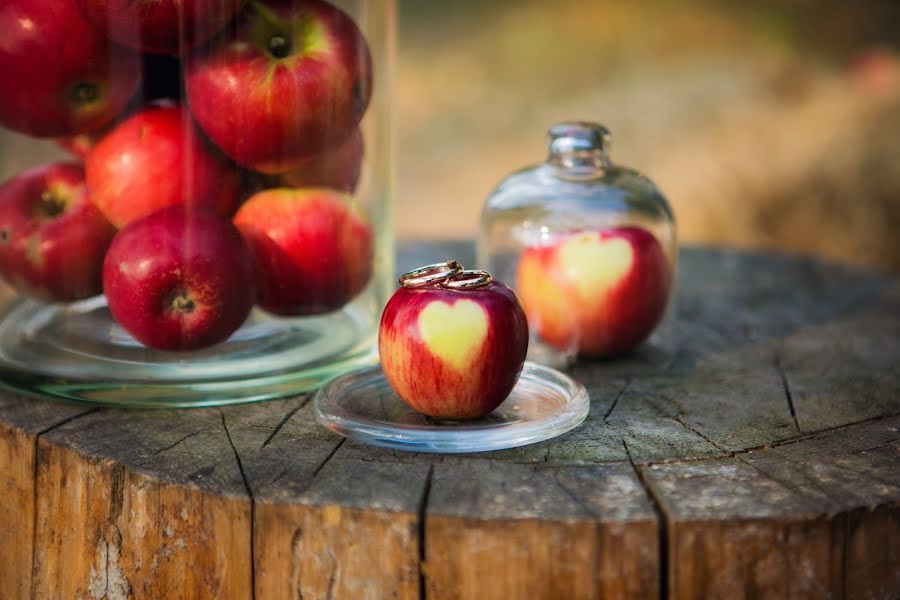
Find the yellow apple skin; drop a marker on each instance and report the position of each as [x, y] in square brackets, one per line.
[599, 293]
[453, 354]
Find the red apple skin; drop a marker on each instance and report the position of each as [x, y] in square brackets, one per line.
[52, 239]
[271, 113]
[154, 159]
[160, 26]
[60, 76]
[312, 250]
[482, 375]
[338, 168]
[179, 279]
[609, 318]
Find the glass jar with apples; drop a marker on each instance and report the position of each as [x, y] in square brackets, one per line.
[590, 247]
[194, 203]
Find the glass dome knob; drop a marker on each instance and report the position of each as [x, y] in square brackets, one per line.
[579, 146]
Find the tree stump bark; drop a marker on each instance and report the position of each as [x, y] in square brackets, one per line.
[764, 461]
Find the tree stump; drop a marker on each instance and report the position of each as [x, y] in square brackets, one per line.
[761, 462]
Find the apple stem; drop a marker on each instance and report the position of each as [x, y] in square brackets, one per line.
[279, 44]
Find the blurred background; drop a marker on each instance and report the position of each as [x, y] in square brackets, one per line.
[771, 124]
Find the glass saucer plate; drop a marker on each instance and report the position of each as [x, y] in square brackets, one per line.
[362, 407]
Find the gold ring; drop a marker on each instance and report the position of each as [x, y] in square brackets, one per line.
[431, 274]
[467, 280]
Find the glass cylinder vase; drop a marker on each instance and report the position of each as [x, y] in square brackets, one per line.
[195, 207]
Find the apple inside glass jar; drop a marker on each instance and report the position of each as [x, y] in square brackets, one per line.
[453, 351]
[179, 279]
[52, 238]
[600, 293]
[290, 81]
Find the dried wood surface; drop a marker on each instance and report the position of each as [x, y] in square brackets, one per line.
[764, 461]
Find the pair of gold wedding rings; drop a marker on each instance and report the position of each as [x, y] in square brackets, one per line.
[449, 274]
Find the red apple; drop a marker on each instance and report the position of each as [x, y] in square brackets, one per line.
[599, 293]
[311, 248]
[453, 354]
[337, 168]
[179, 279]
[154, 159]
[293, 80]
[60, 76]
[52, 239]
[160, 82]
[161, 26]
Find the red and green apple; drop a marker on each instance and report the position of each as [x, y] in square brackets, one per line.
[453, 353]
[599, 293]
[291, 81]
[52, 238]
[60, 76]
[179, 279]
[312, 249]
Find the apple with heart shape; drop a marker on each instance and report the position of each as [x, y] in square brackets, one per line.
[453, 353]
[154, 159]
[61, 76]
[179, 279]
[598, 293]
[291, 81]
[312, 249]
[52, 239]
[160, 26]
[337, 168]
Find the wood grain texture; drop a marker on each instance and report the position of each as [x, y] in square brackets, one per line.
[519, 531]
[21, 421]
[760, 459]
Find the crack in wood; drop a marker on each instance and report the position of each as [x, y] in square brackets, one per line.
[736, 453]
[35, 468]
[332, 580]
[787, 390]
[662, 523]
[240, 466]
[680, 420]
[296, 562]
[170, 446]
[615, 401]
[66, 421]
[423, 508]
[284, 421]
[329, 457]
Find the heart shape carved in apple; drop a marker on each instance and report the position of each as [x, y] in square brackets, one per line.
[454, 332]
[594, 264]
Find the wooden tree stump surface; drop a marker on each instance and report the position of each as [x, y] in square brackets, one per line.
[763, 462]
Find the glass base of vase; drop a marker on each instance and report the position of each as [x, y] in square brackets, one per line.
[78, 352]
